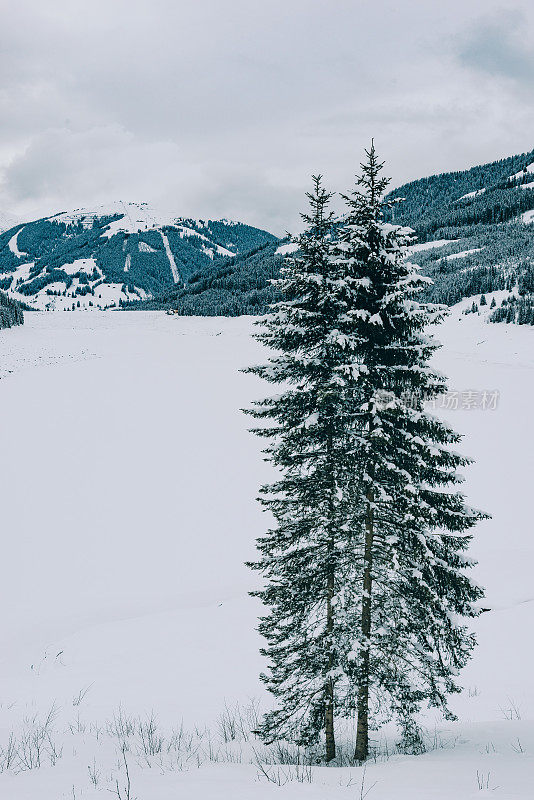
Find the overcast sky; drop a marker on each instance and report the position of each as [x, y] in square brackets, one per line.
[224, 108]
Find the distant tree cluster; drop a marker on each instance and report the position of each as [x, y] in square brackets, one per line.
[519, 310]
[10, 312]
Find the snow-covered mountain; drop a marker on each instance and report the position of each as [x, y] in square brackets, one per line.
[476, 232]
[7, 221]
[475, 236]
[106, 256]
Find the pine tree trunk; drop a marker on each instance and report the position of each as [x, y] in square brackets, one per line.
[362, 730]
[329, 710]
[329, 693]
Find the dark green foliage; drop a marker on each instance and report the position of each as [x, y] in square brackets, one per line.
[303, 557]
[151, 238]
[41, 237]
[497, 254]
[52, 244]
[8, 261]
[234, 236]
[365, 574]
[434, 203]
[149, 271]
[189, 253]
[518, 309]
[10, 312]
[525, 283]
[43, 280]
[488, 224]
[415, 520]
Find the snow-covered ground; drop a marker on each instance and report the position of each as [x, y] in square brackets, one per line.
[7, 221]
[521, 174]
[13, 245]
[463, 254]
[127, 486]
[137, 218]
[106, 295]
[471, 195]
[286, 249]
[420, 246]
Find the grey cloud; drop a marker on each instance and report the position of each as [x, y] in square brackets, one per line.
[226, 108]
[501, 46]
[66, 169]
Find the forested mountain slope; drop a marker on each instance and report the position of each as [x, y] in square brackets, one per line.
[475, 232]
[108, 256]
[475, 235]
[442, 206]
[241, 285]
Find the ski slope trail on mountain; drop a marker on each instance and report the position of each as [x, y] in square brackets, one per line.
[172, 262]
[13, 245]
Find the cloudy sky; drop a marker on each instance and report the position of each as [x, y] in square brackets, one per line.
[219, 108]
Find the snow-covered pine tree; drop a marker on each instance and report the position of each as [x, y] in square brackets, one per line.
[306, 558]
[409, 640]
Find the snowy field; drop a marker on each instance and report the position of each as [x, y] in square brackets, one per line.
[127, 486]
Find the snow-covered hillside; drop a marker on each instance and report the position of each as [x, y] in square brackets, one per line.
[7, 221]
[127, 485]
[475, 231]
[106, 256]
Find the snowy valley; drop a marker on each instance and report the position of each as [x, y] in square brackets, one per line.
[130, 639]
[266, 384]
